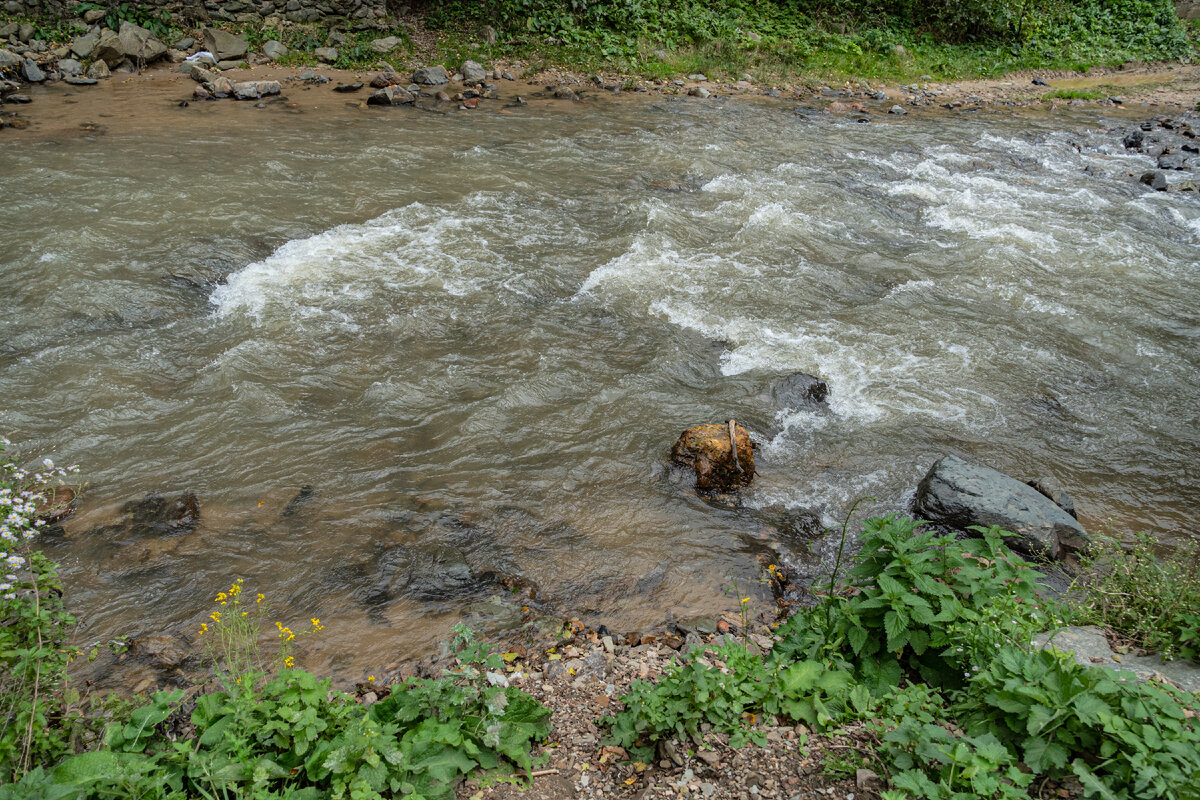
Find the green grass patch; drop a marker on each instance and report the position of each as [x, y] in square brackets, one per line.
[1074, 94]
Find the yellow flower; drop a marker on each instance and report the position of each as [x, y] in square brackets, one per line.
[745, 599]
[215, 616]
[221, 597]
[261, 596]
[371, 678]
[289, 662]
[203, 628]
[244, 613]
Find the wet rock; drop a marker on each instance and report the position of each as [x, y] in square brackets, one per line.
[793, 523]
[18, 99]
[1133, 140]
[1054, 491]
[31, 72]
[1155, 180]
[70, 67]
[565, 93]
[82, 46]
[75, 80]
[347, 88]
[1170, 161]
[493, 614]
[200, 93]
[253, 90]
[799, 390]
[442, 97]
[274, 50]
[1090, 648]
[326, 55]
[958, 495]
[897, 110]
[225, 46]
[718, 465]
[473, 73]
[165, 651]
[391, 96]
[699, 91]
[431, 76]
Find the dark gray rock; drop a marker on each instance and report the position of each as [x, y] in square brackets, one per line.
[473, 73]
[9, 60]
[225, 46]
[799, 390]
[1133, 140]
[186, 43]
[347, 88]
[1155, 180]
[565, 93]
[957, 495]
[31, 72]
[390, 96]
[75, 80]
[19, 99]
[431, 76]
[1052, 489]
[25, 32]
[1170, 161]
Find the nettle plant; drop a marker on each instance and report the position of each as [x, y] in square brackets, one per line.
[35, 709]
[922, 603]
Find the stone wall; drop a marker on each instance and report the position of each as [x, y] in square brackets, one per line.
[1188, 9]
[192, 11]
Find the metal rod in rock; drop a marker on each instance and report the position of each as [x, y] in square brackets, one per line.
[733, 443]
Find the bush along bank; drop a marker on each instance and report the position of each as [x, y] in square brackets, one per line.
[764, 42]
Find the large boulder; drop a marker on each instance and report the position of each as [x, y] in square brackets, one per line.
[957, 495]
[707, 450]
[274, 50]
[431, 76]
[225, 46]
[82, 46]
[139, 45]
[108, 49]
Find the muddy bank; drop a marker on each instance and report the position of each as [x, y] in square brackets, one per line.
[162, 98]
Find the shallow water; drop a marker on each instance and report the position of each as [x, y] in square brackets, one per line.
[476, 338]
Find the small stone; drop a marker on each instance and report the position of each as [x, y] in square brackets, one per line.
[326, 55]
[274, 50]
[70, 67]
[1155, 180]
[699, 91]
[899, 111]
[98, 69]
[472, 73]
[76, 80]
[390, 96]
[346, 88]
[565, 93]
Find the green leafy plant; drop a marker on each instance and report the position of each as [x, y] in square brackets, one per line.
[1122, 738]
[292, 735]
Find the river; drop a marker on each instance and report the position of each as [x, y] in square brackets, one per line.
[475, 338]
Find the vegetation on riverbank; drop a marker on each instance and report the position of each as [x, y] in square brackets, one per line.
[925, 644]
[794, 39]
[773, 42]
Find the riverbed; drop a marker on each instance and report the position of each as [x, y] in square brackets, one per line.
[415, 366]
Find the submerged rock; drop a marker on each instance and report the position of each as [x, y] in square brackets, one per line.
[718, 465]
[956, 494]
[799, 390]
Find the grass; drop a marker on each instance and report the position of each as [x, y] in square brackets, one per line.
[1074, 94]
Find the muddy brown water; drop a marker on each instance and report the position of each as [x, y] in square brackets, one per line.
[475, 338]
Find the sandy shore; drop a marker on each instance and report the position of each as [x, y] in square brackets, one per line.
[161, 97]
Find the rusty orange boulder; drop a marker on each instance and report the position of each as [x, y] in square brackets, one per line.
[707, 449]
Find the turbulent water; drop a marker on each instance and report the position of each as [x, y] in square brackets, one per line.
[476, 338]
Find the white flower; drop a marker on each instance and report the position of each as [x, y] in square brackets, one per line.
[10, 596]
[15, 561]
[4, 587]
[49, 464]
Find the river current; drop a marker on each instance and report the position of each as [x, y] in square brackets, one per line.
[475, 338]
